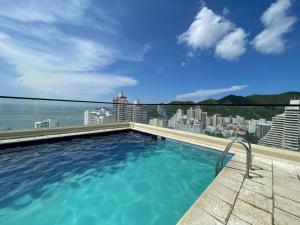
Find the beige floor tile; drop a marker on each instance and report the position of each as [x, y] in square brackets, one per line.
[230, 183]
[262, 180]
[284, 168]
[233, 174]
[287, 205]
[233, 220]
[224, 193]
[284, 218]
[258, 188]
[283, 174]
[257, 200]
[251, 214]
[239, 158]
[199, 217]
[287, 182]
[263, 173]
[287, 192]
[237, 165]
[262, 160]
[258, 164]
[215, 207]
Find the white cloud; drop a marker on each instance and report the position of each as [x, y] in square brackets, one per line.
[65, 73]
[49, 61]
[206, 30]
[204, 94]
[44, 10]
[276, 23]
[75, 85]
[210, 30]
[232, 45]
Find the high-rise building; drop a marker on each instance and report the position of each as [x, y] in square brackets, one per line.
[161, 111]
[175, 118]
[261, 130]
[136, 112]
[194, 113]
[47, 123]
[197, 118]
[97, 116]
[159, 122]
[125, 112]
[252, 126]
[285, 129]
[217, 120]
[204, 120]
[120, 108]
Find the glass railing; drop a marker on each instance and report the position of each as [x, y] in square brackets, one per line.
[270, 125]
[24, 114]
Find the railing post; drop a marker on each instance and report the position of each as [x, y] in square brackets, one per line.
[248, 163]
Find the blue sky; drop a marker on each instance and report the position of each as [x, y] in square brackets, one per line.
[157, 51]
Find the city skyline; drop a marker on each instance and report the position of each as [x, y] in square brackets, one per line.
[282, 132]
[90, 50]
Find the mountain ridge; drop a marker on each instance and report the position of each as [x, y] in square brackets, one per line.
[249, 112]
[281, 98]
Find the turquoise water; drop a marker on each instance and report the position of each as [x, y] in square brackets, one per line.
[125, 178]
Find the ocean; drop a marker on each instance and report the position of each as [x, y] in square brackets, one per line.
[22, 114]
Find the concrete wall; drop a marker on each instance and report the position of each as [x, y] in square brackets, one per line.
[62, 130]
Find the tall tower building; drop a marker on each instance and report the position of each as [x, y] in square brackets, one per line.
[161, 111]
[194, 113]
[285, 129]
[216, 120]
[204, 120]
[120, 108]
[124, 112]
[136, 112]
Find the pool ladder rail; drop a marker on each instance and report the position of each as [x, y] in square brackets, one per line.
[247, 146]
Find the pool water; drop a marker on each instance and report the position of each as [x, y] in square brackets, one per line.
[123, 178]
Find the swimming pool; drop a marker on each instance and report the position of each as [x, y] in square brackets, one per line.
[122, 178]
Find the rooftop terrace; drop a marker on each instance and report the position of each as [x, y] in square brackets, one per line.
[270, 196]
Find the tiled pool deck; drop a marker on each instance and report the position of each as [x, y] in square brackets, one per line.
[271, 196]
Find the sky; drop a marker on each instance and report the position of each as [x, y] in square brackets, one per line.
[156, 51]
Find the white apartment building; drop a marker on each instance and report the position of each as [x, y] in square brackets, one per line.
[195, 121]
[259, 127]
[252, 126]
[217, 120]
[158, 122]
[238, 119]
[285, 129]
[262, 129]
[176, 117]
[97, 116]
[227, 120]
[47, 123]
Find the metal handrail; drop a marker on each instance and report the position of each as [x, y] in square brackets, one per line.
[238, 140]
[173, 103]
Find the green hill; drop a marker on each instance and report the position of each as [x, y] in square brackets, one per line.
[249, 112]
